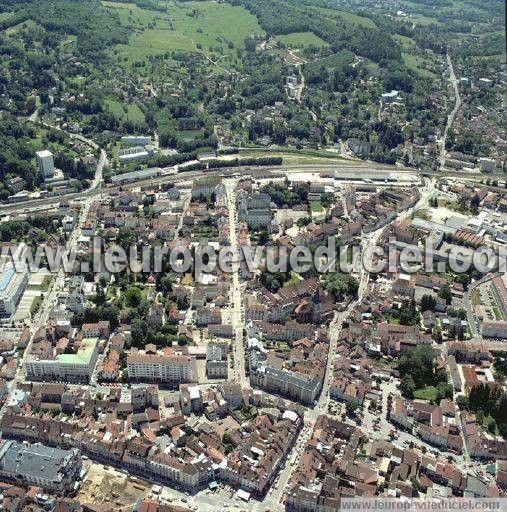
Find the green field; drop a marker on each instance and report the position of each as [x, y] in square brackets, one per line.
[337, 60]
[190, 27]
[404, 41]
[316, 207]
[133, 113]
[296, 156]
[210, 24]
[424, 20]
[189, 135]
[162, 39]
[133, 16]
[418, 64]
[302, 40]
[19, 26]
[348, 16]
[428, 393]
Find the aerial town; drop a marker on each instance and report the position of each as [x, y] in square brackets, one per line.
[253, 255]
[254, 389]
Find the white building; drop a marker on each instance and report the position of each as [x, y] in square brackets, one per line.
[217, 366]
[135, 140]
[38, 465]
[291, 90]
[135, 153]
[45, 163]
[294, 385]
[476, 223]
[68, 223]
[77, 367]
[162, 368]
[206, 186]
[254, 209]
[12, 286]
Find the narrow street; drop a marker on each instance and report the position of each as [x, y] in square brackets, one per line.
[469, 307]
[452, 115]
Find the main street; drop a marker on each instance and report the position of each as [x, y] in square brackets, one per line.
[237, 316]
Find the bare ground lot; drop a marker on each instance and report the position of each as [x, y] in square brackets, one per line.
[112, 488]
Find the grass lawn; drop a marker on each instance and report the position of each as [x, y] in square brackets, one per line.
[488, 420]
[133, 16]
[296, 156]
[23, 25]
[189, 27]
[162, 39]
[134, 113]
[337, 60]
[294, 279]
[152, 33]
[424, 20]
[422, 214]
[316, 207]
[404, 41]
[347, 16]
[476, 298]
[428, 393]
[358, 20]
[302, 40]
[211, 24]
[189, 135]
[46, 283]
[417, 64]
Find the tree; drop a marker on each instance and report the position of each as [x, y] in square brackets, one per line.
[419, 366]
[408, 315]
[462, 402]
[444, 390]
[263, 237]
[407, 386]
[428, 303]
[445, 293]
[351, 406]
[474, 204]
[415, 484]
[133, 297]
[249, 44]
[138, 329]
[303, 221]
[183, 340]
[340, 284]
[273, 281]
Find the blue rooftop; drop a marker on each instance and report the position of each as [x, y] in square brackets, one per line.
[5, 278]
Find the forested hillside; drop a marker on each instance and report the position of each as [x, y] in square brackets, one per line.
[283, 17]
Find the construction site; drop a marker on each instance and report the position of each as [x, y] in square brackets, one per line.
[108, 486]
